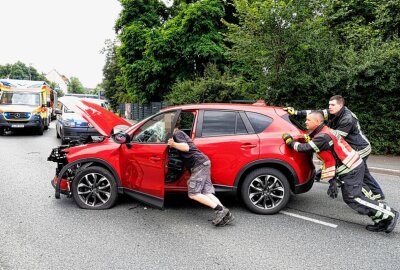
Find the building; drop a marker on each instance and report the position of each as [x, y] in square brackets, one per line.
[60, 80]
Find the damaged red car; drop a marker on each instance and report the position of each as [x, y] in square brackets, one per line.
[243, 142]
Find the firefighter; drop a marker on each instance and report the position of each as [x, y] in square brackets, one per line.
[342, 163]
[346, 123]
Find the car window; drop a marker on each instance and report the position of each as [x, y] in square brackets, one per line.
[66, 110]
[156, 129]
[187, 120]
[259, 121]
[218, 123]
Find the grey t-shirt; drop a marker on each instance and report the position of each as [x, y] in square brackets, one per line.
[194, 157]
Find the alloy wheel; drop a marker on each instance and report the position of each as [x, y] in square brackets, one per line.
[266, 191]
[94, 189]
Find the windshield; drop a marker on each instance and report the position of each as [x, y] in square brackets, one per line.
[20, 98]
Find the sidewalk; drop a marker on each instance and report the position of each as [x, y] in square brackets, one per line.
[389, 165]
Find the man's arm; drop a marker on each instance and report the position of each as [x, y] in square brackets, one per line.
[304, 113]
[184, 147]
[317, 144]
[345, 125]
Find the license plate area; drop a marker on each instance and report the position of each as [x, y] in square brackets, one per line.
[17, 126]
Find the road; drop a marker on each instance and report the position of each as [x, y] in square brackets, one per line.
[39, 232]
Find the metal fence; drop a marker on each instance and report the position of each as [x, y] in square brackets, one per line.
[138, 111]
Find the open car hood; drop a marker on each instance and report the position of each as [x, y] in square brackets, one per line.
[101, 119]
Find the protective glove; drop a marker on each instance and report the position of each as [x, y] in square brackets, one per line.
[287, 138]
[290, 110]
[333, 188]
[307, 138]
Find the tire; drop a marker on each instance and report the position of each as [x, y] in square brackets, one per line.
[40, 130]
[94, 188]
[63, 141]
[265, 191]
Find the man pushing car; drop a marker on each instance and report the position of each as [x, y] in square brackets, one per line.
[342, 163]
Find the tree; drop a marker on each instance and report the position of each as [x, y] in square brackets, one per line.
[112, 77]
[285, 49]
[20, 71]
[75, 86]
[155, 53]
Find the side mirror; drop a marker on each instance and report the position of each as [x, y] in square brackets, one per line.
[121, 138]
[119, 128]
[58, 111]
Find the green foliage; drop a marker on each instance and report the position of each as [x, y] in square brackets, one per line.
[213, 87]
[20, 71]
[155, 54]
[75, 86]
[287, 52]
[284, 47]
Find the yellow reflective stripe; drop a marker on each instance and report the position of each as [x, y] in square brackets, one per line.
[367, 193]
[342, 133]
[375, 207]
[326, 115]
[314, 146]
[365, 152]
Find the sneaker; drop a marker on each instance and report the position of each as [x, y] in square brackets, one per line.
[392, 223]
[219, 215]
[377, 227]
[226, 220]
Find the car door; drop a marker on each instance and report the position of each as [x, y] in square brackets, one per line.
[229, 141]
[145, 159]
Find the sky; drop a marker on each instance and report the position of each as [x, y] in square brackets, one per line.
[65, 35]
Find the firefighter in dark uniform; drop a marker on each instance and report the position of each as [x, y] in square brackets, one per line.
[342, 163]
[343, 120]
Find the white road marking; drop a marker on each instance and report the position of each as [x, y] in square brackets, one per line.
[309, 219]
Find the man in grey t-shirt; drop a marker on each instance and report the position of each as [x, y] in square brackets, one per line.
[200, 187]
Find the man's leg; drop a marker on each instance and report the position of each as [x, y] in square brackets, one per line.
[203, 199]
[383, 216]
[370, 181]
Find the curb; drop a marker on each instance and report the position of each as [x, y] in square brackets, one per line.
[384, 171]
[372, 169]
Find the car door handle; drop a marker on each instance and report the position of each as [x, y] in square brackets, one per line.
[155, 158]
[247, 146]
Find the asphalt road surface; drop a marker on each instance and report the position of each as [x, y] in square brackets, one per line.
[39, 232]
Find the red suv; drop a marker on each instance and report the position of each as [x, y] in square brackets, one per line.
[243, 142]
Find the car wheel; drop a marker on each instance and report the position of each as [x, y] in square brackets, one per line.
[40, 130]
[265, 191]
[63, 141]
[94, 188]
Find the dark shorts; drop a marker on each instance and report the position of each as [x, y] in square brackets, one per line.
[200, 180]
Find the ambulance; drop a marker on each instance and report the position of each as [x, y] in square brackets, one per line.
[26, 104]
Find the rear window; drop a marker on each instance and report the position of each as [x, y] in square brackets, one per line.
[259, 121]
[221, 123]
[295, 121]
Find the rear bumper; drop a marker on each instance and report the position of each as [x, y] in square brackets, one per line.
[303, 188]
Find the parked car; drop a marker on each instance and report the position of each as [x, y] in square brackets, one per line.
[71, 125]
[243, 142]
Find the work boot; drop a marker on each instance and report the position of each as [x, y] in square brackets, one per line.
[377, 227]
[392, 222]
[219, 215]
